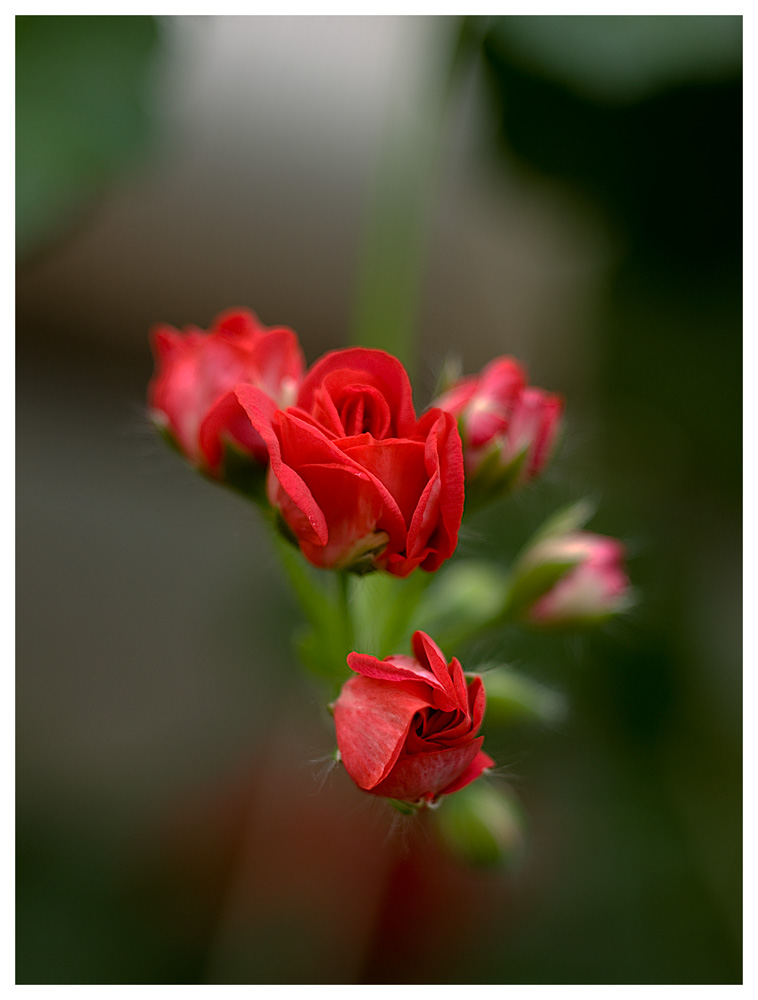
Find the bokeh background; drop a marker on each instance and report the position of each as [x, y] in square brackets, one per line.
[564, 189]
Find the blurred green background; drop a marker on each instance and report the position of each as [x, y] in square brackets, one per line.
[571, 194]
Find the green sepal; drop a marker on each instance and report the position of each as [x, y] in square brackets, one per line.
[449, 374]
[532, 582]
[406, 808]
[361, 559]
[164, 431]
[565, 521]
[493, 480]
[284, 531]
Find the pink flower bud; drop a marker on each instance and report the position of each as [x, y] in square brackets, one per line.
[593, 585]
[508, 428]
[191, 394]
[407, 726]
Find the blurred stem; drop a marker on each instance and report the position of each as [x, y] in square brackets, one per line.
[455, 637]
[345, 612]
[391, 266]
[383, 608]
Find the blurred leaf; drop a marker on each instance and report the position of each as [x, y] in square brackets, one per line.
[568, 519]
[483, 826]
[81, 84]
[662, 161]
[514, 697]
[624, 57]
[463, 599]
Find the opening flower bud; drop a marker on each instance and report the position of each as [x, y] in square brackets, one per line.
[508, 428]
[571, 580]
[407, 726]
[191, 398]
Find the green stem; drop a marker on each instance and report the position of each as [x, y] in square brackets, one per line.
[456, 637]
[345, 611]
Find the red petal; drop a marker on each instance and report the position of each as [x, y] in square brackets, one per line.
[304, 515]
[165, 340]
[228, 419]
[375, 367]
[459, 685]
[479, 764]
[433, 532]
[477, 699]
[350, 504]
[279, 358]
[372, 720]
[455, 399]
[393, 669]
[424, 775]
[239, 323]
[398, 465]
[426, 651]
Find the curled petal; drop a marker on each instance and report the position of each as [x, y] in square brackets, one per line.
[426, 651]
[227, 419]
[425, 775]
[476, 768]
[433, 532]
[372, 721]
[394, 669]
[360, 367]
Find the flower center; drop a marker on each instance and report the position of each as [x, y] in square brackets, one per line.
[364, 410]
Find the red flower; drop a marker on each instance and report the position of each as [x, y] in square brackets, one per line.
[191, 394]
[358, 479]
[406, 726]
[508, 428]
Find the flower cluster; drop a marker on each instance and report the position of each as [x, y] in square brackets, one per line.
[359, 480]
[343, 464]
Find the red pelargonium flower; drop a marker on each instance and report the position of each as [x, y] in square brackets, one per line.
[508, 428]
[191, 394]
[407, 726]
[358, 479]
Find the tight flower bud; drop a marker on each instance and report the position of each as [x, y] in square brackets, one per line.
[191, 395]
[407, 726]
[508, 428]
[571, 580]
